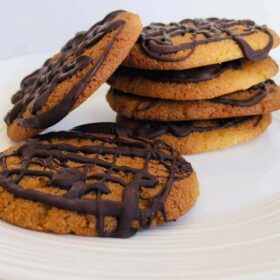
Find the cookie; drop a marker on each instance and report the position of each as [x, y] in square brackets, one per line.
[196, 83]
[191, 137]
[198, 42]
[91, 181]
[68, 78]
[260, 99]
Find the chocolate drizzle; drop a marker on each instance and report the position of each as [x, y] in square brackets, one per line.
[37, 87]
[262, 90]
[156, 39]
[192, 75]
[153, 129]
[53, 158]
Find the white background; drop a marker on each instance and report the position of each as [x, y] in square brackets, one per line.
[35, 26]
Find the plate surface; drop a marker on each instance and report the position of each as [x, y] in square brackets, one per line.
[232, 233]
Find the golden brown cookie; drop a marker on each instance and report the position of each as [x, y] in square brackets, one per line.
[260, 99]
[196, 83]
[199, 42]
[92, 181]
[68, 78]
[191, 137]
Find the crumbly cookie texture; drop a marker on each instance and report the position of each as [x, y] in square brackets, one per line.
[90, 183]
[70, 77]
[251, 73]
[244, 130]
[136, 107]
[195, 43]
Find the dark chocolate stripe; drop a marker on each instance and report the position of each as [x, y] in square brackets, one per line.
[153, 129]
[192, 75]
[53, 159]
[262, 90]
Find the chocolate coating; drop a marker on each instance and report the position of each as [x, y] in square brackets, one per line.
[156, 39]
[262, 90]
[153, 129]
[192, 75]
[37, 87]
[54, 158]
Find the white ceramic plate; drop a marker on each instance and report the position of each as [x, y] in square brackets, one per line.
[232, 233]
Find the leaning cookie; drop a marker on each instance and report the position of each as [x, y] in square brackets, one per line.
[68, 78]
[198, 42]
[191, 137]
[91, 181]
[196, 83]
[260, 99]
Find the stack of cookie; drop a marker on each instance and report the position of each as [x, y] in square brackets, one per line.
[198, 85]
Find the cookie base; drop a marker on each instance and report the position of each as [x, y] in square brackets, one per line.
[232, 80]
[142, 108]
[199, 142]
[40, 217]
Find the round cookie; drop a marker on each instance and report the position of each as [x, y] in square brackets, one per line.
[191, 137]
[68, 78]
[196, 83]
[260, 99]
[91, 181]
[199, 42]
